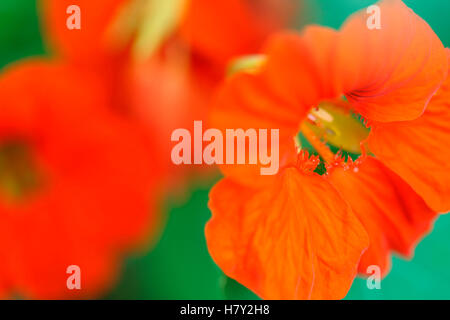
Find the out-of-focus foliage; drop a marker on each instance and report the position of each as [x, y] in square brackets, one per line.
[19, 30]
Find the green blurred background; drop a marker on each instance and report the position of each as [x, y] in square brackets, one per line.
[179, 267]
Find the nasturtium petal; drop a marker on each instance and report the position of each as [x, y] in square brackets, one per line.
[389, 74]
[296, 239]
[418, 150]
[394, 216]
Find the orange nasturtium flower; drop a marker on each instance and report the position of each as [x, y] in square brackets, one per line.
[76, 182]
[304, 234]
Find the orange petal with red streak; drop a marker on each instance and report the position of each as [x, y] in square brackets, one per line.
[418, 150]
[394, 216]
[389, 74]
[246, 102]
[296, 239]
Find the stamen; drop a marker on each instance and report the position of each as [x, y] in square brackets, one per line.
[337, 126]
[307, 162]
[322, 114]
[320, 146]
[348, 164]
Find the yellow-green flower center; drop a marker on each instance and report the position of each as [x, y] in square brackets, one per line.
[18, 174]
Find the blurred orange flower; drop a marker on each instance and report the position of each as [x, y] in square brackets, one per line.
[77, 183]
[172, 86]
[81, 170]
[163, 59]
[300, 234]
